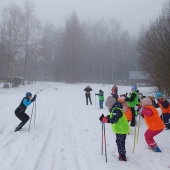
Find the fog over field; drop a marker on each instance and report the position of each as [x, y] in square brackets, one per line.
[131, 13]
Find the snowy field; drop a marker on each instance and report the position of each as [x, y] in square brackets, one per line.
[67, 132]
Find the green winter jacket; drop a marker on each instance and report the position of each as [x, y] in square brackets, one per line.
[101, 96]
[121, 126]
[134, 102]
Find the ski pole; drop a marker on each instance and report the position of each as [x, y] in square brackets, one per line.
[38, 92]
[102, 140]
[162, 117]
[134, 139]
[105, 143]
[31, 117]
[35, 113]
[138, 130]
[95, 100]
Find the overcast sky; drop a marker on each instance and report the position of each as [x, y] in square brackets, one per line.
[131, 13]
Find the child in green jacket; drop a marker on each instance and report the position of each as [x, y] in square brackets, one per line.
[119, 123]
[101, 98]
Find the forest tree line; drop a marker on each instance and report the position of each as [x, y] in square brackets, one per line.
[82, 51]
[87, 51]
[154, 49]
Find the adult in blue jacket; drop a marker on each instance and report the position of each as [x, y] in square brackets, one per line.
[20, 110]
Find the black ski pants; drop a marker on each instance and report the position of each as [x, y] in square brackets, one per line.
[88, 96]
[120, 141]
[23, 117]
[133, 121]
[165, 118]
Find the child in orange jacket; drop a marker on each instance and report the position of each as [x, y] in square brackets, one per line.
[126, 109]
[165, 108]
[153, 121]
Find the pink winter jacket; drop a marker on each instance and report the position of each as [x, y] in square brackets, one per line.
[147, 112]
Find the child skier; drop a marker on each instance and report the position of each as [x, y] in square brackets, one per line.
[20, 110]
[114, 91]
[153, 121]
[126, 109]
[165, 109]
[119, 123]
[101, 98]
[132, 101]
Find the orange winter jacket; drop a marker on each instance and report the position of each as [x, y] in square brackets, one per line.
[164, 110]
[153, 122]
[128, 114]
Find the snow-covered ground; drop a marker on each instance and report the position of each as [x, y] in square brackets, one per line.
[67, 132]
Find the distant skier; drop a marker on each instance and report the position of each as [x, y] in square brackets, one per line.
[20, 110]
[114, 91]
[88, 89]
[101, 98]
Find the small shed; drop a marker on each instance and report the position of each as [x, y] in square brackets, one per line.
[138, 77]
[17, 81]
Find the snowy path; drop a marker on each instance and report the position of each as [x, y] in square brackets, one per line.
[67, 134]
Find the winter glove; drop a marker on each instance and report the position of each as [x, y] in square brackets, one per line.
[34, 98]
[105, 120]
[108, 118]
[126, 95]
[101, 117]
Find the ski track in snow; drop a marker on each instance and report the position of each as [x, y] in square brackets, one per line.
[67, 133]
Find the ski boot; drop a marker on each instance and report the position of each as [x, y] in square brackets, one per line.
[156, 149]
[122, 157]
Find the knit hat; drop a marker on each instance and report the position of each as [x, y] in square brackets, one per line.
[158, 95]
[121, 99]
[109, 101]
[100, 91]
[28, 94]
[134, 88]
[146, 102]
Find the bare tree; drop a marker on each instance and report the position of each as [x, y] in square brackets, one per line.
[73, 38]
[154, 48]
[30, 28]
[48, 53]
[91, 51]
[10, 37]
